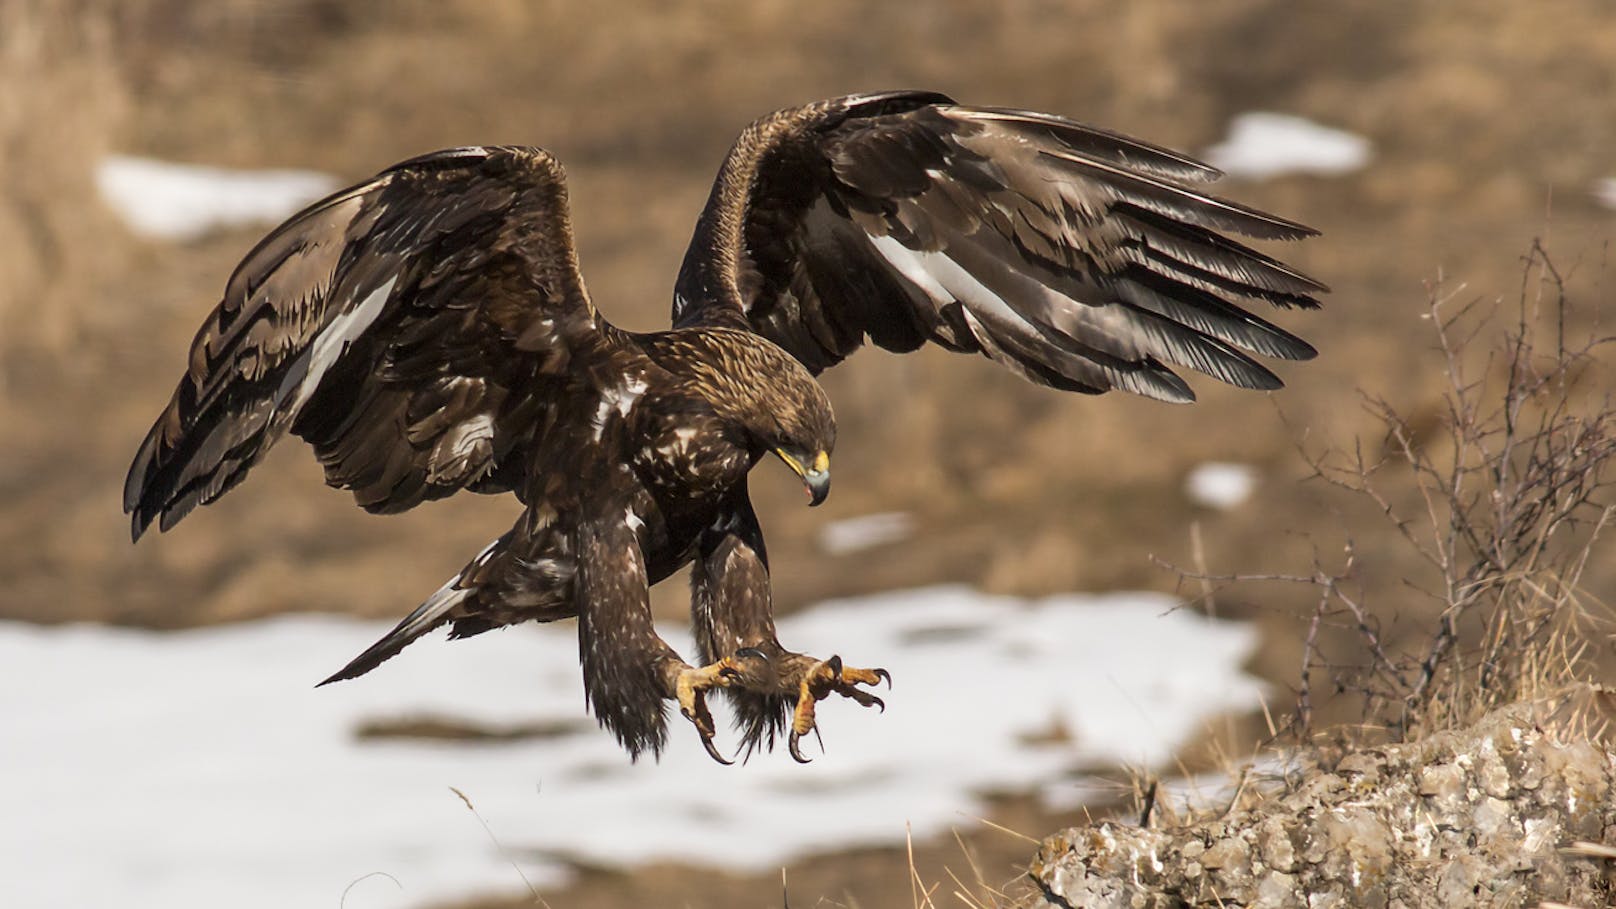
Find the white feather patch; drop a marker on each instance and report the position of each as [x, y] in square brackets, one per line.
[481, 559]
[620, 398]
[943, 279]
[442, 600]
[1065, 314]
[450, 595]
[908, 264]
[682, 437]
[465, 447]
[333, 340]
[479, 428]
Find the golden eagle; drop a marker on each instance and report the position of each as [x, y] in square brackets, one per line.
[428, 331]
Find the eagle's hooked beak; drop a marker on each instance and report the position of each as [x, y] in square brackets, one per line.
[815, 474]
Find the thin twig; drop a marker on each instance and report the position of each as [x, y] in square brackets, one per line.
[501, 847]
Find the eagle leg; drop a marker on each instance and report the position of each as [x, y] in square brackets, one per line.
[690, 690]
[823, 678]
[772, 689]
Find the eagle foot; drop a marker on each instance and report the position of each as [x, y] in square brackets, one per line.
[820, 681]
[691, 691]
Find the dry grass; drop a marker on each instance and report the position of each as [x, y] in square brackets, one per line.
[974, 890]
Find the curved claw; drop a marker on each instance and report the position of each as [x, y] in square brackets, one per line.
[796, 752]
[712, 751]
[884, 676]
[861, 697]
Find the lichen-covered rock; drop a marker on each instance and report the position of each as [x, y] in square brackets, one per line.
[1477, 817]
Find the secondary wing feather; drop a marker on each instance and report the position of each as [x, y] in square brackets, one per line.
[403, 326]
[1078, 257]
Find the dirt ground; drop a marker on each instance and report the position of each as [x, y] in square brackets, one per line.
[1489, 126]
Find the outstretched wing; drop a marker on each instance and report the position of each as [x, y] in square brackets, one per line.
[400, 326]
[1080, 258]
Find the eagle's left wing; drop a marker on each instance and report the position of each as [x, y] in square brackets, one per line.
[409, 327]
[1080, 258]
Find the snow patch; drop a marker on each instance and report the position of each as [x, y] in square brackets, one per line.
[1263, 145]
[1604, 192]
[181, 766]
[1220, 484]
[864, 532]
[168, 201]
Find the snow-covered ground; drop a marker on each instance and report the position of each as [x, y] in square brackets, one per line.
[168, 201]
[200, 768]
[864, 532]
[1220, 484]
[1263, 145]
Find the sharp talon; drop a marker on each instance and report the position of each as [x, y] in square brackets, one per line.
[823, 679]
[729, 672]
[796, 753]
[752, 652]
[712, 752]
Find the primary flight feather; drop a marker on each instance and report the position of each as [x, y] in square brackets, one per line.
[429, 331]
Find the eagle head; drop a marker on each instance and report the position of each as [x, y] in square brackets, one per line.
[776, 402]
[793, 420]
[803, 438]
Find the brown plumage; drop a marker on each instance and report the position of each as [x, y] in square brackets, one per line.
[428, 331]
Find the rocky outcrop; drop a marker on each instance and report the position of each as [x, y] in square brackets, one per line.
[1489, 816]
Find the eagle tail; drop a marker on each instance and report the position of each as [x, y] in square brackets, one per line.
[429, 615]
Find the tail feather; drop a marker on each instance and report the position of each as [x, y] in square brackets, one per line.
[429, 615]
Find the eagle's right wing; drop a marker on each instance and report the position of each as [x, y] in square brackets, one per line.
[1078, 257]
[405, 327]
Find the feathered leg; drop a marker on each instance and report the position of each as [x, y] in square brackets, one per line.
[731, 610]
[771, 688]
[629, 671]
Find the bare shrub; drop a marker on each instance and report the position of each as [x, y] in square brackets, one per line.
[1502, 495]
[1496, 501]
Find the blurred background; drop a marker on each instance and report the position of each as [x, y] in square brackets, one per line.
[1471, 130]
